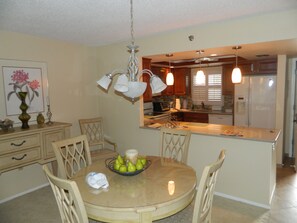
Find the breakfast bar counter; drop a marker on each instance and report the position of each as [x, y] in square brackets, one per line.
[249, 171]
[256, 134]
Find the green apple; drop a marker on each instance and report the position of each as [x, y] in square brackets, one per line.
[123, 168]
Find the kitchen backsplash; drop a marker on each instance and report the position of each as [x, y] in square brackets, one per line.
[186, 100]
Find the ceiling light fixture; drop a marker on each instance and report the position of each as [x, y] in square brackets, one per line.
[236, 73]
[200, 76]
[128, 82]
[169, 76]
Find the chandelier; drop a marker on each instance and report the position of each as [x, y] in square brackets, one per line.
[128, 82]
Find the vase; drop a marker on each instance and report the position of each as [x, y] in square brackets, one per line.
[24, 117]
[40, 119]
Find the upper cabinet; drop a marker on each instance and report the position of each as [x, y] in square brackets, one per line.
[268, 66]
[181, 81]
[227, 85]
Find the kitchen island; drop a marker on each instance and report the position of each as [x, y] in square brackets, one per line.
[249, 171]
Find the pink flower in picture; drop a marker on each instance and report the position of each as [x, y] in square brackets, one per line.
[34, 85]
[21, 82]
[19, 76]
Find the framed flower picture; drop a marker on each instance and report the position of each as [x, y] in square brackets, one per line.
[26, 76]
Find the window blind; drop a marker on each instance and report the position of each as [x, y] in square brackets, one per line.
[211, 92]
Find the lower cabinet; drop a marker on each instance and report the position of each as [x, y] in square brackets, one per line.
[220, 119]
[20, 147]
[196, 117]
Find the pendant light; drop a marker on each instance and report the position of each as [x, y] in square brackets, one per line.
[236, 73]
[169, 76]
[200, 76]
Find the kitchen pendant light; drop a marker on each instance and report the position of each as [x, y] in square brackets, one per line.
[169, 76]
[200, 76]
[236, 73]
[128, 82]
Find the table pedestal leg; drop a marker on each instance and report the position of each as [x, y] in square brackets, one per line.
[145, 214]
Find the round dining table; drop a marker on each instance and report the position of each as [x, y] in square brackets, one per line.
[163, 189]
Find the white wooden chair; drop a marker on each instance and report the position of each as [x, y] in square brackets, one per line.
[68, 198]
[174, 143]
[205, 191]
[72, 155]
[93, 129]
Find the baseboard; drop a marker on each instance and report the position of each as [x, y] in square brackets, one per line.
[23, 193]
[243, 200]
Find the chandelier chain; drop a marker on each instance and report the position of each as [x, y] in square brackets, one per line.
[131, 18]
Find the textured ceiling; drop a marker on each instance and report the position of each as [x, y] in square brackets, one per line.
[101, 22]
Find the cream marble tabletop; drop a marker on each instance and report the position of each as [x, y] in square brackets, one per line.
[161, 190]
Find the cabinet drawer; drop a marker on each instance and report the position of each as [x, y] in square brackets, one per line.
[18, 143]
[50, 137]
[19, 158]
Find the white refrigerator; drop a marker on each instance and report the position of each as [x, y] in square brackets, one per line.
[254, 102]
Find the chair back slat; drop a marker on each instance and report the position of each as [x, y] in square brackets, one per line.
[174, 143]
[72, 155]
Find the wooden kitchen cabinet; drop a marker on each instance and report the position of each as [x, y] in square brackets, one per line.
[177, 116]
[21, 147]
[196, 117]
[267, 66]
[227, 85]
[181, 81]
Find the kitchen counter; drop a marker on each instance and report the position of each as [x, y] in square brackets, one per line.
[236, 132]
[202, 111]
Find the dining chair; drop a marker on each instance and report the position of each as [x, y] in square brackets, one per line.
[174, 143]
[205, 191]
[72, 155]
[68, 198]
[93, 129]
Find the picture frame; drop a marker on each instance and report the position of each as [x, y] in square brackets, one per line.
[29, 76]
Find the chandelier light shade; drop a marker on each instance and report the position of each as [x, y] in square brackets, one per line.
[169, 79]
[157, 84]
[236, 73]
[105, 81]
[128, 82]
[122, 84]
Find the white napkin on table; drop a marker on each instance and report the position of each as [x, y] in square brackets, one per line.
[97, 180]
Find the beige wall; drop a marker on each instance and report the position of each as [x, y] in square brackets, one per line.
[72, 88]
[74, 69]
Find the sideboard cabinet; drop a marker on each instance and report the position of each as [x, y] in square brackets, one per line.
[21, 147]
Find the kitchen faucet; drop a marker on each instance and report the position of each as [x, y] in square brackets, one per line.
[202, 104]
